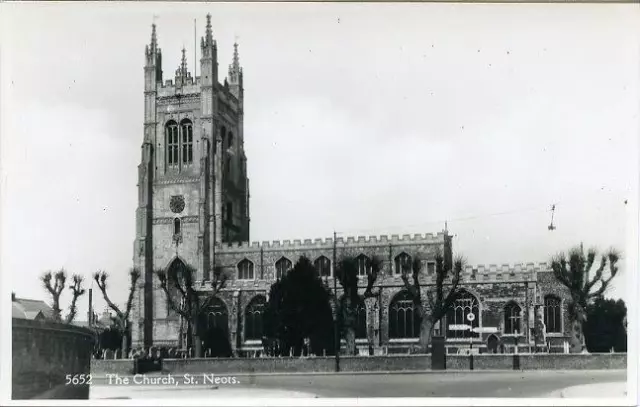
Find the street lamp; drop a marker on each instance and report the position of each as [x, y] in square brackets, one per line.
[335, 297]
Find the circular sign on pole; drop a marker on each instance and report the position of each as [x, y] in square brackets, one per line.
[471, 317]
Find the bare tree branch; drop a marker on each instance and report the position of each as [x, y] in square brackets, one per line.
[134, 276]
[77, 290]
[169, 298]
[100, 278]
[375, 265]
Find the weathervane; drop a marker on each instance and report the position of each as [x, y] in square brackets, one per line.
[553, 209]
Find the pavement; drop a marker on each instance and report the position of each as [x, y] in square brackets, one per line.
[606, 390]
[508, 384]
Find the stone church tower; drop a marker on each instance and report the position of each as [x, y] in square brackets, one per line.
[193, 190]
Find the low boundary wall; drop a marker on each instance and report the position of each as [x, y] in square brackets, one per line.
[389, 363]
[43, 354]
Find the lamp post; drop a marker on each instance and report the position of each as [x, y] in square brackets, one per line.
[335, 296]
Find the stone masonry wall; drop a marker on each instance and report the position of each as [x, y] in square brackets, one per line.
[43, 354]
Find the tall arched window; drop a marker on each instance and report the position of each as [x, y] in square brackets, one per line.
[323, 266]
[465, 303]
[402, 260]
[253, 318]
[186, 128]
[553, 314]
[404, 321]
[177, 268]
[223, 136]
[361, 319]
[230, 140]
[177, 226]
[245, 270]
[282, 266]
[512, 318]
[172, 143]
[364, 265]
[217, 316]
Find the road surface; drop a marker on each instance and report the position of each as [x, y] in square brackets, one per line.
[429, 384]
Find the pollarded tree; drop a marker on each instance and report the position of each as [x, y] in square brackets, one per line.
[374, 267]
[604, 329]
[191, 305]
[438, 302]
[574, 273]
[121, 318]
[347, 275]
[299, 308]
[56, 288]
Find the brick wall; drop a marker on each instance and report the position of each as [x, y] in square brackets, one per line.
[43, 353]
[372, 364]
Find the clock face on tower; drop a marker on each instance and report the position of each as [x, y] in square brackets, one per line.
[176, 203]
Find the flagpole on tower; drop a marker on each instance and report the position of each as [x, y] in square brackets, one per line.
[195, 60]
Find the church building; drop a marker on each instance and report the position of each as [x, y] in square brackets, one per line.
[193, 209]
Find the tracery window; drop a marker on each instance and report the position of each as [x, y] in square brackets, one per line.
[553, 314]
[245, 270]
[465, 304]
[323, 266]
[282, 267]
[402, 260]
[253, 318]
[404, 320]
[512, 318]
[364, 265]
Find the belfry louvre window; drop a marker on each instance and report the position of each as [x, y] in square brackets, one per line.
[187, 141]
[171, 131]
[179, 143]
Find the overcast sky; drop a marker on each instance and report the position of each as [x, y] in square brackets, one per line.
[370, 119]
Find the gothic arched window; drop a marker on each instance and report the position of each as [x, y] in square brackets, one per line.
[253, 318]
[172, 143]
[282, 266]
[186, 128]
[553, 314]
[245, 270]
[230, 140]
[364, 265]
[512, 318]
[465, 304]
[361, 319]
[402, 260]
[217, 315]
[323, 266]
[177, 226]
[404, 321]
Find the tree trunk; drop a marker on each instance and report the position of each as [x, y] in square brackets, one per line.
[197, 342]
[350, 338]
[576, 341]
[426, 332]
[125, 343]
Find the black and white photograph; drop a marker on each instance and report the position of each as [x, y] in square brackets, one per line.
[318, 203]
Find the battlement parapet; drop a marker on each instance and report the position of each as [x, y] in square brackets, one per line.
[504, 272]
[169, 89]
[327, 243]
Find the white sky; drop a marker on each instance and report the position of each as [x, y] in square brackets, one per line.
[370, 119]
